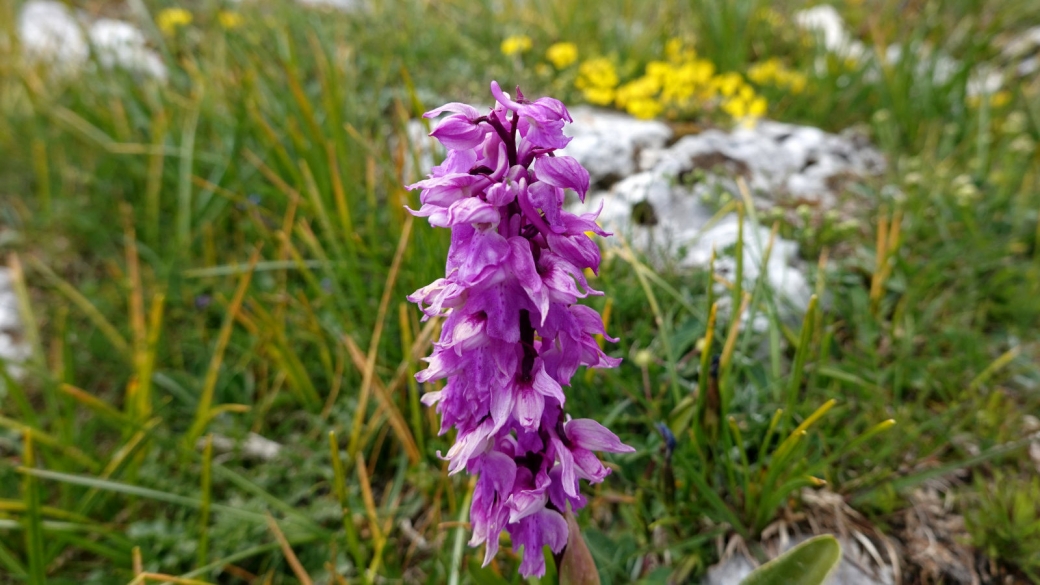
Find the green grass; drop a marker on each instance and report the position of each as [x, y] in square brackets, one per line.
[229, 253]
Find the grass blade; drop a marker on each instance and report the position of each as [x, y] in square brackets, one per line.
[340, 487]
[202, 413]
[290, 556]
[134, 490]
[801, 355]
[75, 297]
[33, 517]
[207, 495]
[368, 373]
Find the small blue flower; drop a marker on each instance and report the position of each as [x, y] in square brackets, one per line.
[668, 436]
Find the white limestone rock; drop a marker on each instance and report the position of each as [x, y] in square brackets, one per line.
[824, 21]
[668, 222]
[254, 446]
[13, 349]
[779, 161]
[119, 44]
[609, 144]
[51, 35]
[663, 215]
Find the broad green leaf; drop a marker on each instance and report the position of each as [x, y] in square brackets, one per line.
[808, 563]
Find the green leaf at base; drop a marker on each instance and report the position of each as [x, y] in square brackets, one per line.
[808, 563]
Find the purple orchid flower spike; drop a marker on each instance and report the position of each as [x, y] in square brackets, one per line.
[513, 334]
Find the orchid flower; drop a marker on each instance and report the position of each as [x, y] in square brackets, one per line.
[514, 333]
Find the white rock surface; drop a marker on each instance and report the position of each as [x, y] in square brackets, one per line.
[683, 237]
[824, 20]
[13, 349]
[663, 216]
[779, 161]
[609, 144]
[50, 34]
[119, 44]
[253, 447]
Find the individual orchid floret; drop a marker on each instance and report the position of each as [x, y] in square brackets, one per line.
[514, 333]
[461, 131]
[544, 118]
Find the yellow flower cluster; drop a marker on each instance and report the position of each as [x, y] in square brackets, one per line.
[516, 44]
[679, 85]
[639, 97]
[597, 80]
[743, 104]
[170, 19]
[772, 72]
[562, 55]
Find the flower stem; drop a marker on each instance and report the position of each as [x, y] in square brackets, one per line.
[527, 341]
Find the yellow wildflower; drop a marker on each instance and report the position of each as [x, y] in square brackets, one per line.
[598, 73]
[764, 73]
[643, 88]
[701, 71]
[600, 96]
[735, 107]
[229, 19]
[644, 108]
[683, 81]
[728, 83]
[562, 55]
[516, 44]
[170, 19]
[745, 109]
[772, 72]
[659, 70]
[757, 107]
